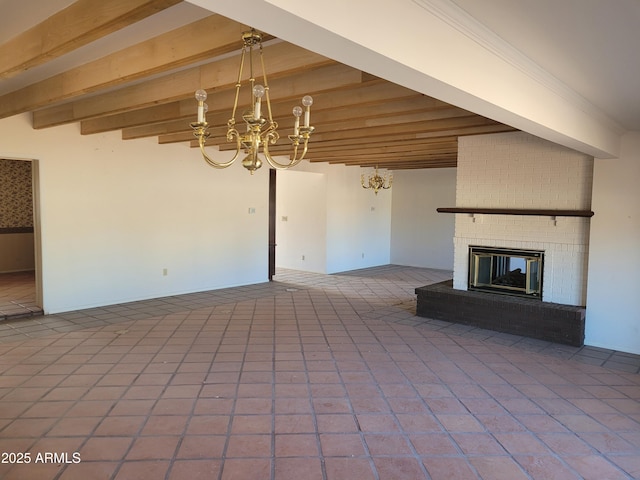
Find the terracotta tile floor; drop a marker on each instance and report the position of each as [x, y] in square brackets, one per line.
[17, 295]
[309, 377]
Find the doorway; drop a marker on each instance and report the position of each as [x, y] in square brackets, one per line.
[299, 221]
[20, 293]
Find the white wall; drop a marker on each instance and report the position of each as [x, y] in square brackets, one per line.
[399, 226]
[115, 214]
[358, 228]
[358, 223]
[613, 311]
[301, 220]
[420, 236]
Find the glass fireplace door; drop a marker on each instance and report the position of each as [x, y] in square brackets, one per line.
[533, 276]
[514, 272]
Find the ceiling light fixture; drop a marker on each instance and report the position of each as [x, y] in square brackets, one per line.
[260, 131]
[376, 182]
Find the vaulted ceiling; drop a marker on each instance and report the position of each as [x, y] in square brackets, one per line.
[133, 66]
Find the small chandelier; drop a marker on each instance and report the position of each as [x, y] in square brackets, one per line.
[260, 131]
[376, 182]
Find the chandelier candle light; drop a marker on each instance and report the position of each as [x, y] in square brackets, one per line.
[260, 131]
[376, 182]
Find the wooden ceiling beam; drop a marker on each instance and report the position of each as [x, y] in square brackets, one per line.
[460, 126]
[179, 138]
[359, 129]
[282, 114]
[81, 23]
[378, 158]
[153, 130]
[408, 145]
[216, 36]
[386, 164]
[398, 164]
[403, 165]
[490, 127]
[285, 95]
[385, 154]
[425, 165]
[368, 152]
[383, 146]
[137, 117]
[283, 59]
[357, 142]
[369, 92]
[363, 153]
[423, 120]
[384, 141]
[422, 165]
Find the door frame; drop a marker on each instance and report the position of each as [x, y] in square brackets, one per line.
[272, 223]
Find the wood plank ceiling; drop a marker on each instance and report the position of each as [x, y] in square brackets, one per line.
[146, 89]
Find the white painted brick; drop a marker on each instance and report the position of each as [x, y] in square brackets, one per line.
[517, 170]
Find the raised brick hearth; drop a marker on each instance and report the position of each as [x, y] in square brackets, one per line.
[516, 315]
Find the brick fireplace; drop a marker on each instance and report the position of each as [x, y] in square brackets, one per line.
[519, 192]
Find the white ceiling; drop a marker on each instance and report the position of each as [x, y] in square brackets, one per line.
[590, 45]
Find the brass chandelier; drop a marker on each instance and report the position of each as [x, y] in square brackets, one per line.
[260, 131]
[377, 182]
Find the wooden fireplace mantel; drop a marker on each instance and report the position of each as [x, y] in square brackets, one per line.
[517, 211]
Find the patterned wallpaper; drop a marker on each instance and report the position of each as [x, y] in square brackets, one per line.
[16, 196]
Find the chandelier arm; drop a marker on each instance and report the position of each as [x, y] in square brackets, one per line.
[267, 155]
[232, 132]
[304, 151]
[273, 163]
[209, 160]
[293, 162]
[278, 165]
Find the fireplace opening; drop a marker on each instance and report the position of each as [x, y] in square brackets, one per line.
[506, 271]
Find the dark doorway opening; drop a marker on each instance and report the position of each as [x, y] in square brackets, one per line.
[272, 223]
